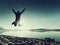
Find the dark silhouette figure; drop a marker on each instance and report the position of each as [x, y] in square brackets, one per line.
[18, 15]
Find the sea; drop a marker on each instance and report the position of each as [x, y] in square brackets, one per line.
[32, 34]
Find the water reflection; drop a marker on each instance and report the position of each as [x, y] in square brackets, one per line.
[30, 34]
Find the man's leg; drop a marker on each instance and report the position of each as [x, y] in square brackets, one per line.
[15, 24]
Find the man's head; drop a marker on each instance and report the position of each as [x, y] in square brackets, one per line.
[18, 12]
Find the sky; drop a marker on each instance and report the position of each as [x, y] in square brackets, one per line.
[38, 14]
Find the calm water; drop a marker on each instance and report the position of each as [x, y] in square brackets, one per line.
[30, 34]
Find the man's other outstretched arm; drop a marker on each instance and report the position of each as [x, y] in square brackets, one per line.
[22, 10]
[14, 11]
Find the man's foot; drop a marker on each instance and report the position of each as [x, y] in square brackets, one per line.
[19, 25]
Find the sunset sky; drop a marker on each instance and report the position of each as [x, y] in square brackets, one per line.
[38, 14]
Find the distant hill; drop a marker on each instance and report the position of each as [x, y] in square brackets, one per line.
[44, 30]
[2, 28]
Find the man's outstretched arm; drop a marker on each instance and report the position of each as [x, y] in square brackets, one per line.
[14, 11]
[22, 10]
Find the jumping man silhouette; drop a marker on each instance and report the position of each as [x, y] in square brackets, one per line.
[18, 15]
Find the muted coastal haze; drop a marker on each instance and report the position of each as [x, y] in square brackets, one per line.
[40, 20]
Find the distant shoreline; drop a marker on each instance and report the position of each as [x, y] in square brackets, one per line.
[44, 30]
